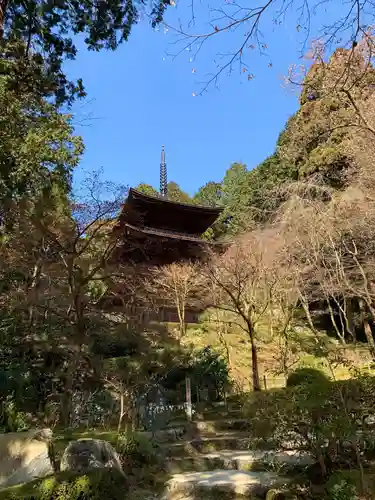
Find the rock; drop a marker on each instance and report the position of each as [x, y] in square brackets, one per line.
[370, 420]
[24, 456]
[84, 455]
[39, 466]
[168, 435]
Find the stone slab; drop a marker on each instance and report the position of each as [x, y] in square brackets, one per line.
[240, 484]
[243, 460]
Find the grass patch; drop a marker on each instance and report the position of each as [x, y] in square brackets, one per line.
[304, 345]
[67, 485]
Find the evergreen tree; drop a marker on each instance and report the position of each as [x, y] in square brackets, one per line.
[38, 148]
[209, 194]
[175, 193]
[265, 187]
[147, 189]
[315, 139]
[233, 199]
[47, 26]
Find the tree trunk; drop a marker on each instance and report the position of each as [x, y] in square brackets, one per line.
[33, 290]
[223, 341]
[3, 9]
[182, 328]
[367, 328]
[254, 360]
[321, 461]
[340, 334]
[78, 318]
[255, 369]
[121, 416]
[66, 400]
[181, 317]
[349, 318]
[285, 367]
[369, 337]
[360, 466]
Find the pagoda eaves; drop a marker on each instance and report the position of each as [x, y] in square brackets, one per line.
[153, 214]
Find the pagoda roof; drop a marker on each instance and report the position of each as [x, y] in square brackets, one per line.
[159, 215]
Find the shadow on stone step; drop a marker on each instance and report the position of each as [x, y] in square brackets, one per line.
[223, 485]
[246, 461]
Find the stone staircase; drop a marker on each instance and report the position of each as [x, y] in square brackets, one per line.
[216, 460]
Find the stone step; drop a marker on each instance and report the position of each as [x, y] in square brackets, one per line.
[244, 460]
[209, 444]
[189, 430]
[207, 415]
[221, 484]
[213, 426]
[228, 424]
[218, 414]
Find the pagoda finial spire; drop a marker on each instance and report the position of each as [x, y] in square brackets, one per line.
[163, 174]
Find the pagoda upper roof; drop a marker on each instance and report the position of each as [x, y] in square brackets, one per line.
[159, 213]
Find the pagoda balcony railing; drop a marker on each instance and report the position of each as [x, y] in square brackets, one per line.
[166, 233]
[162, 314]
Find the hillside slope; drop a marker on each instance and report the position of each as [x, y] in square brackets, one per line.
[303, 351]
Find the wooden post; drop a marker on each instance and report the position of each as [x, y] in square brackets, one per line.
[189, 410]
[265, 382]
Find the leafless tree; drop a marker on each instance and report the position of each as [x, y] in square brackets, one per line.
[347, 75]
[282, 321]
[76, 271]
[178, 284]
[119, 377]
[240, 283]
[243, 25]
[331, 254]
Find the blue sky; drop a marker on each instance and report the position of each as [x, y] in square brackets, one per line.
[139, 98]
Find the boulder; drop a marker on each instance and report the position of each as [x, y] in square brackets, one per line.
[24, 456]
[38, 467]
[84, 455]
[370, 420]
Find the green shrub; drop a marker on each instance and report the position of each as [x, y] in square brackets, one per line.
[98, 484]
[11, 419]
[306, 375]
[323, 419]
[206, 368]
[343, 485]
[136, 450]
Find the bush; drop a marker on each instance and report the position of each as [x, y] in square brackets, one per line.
[323, 419]
[207, 370]
[11, 419]
[306, 376]
[136, 450]
[343, 485]
[99, 484]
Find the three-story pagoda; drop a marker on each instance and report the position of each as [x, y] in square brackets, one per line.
[154, 231]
